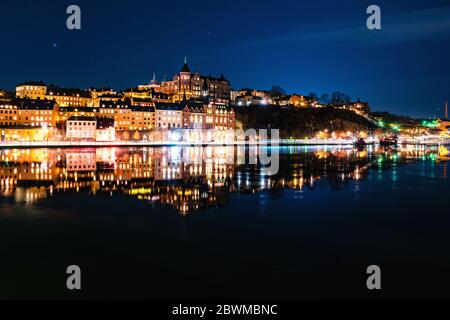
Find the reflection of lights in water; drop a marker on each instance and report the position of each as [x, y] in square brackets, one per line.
[134, 169]
[357, 174]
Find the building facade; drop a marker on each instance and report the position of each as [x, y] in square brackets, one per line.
[31, 90]
[106, 131]
[69, 96]
[191, 85]
[168, 116]
[143, 118]
[28, 113]
[81, 128]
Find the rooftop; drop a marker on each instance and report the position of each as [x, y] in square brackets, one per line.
[81, 118]
[168, 106]
[34, 104]
[142, 109]
[58, 91]
[32, 83]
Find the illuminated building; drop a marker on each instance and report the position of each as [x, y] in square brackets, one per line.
[104, 94]
[137, 93]
[25, 133]
[154, 84]
[244, 101]
[31, 90]
[248, 97]
[64, 113]
[146, 97]
[142, 118]
[194, 115]
[120, 111]
[161, 97]
[69, 96]
[106, 131]
[28, 113]
[301, 101]
[126, 116]
[81, 128]
[141, 102]
[233, 95]
[190, 85]
[220, 117]
[168, 115]
[360, 107]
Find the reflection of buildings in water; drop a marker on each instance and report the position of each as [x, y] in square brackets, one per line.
[305, 168]
[29, 171]
[188, 178]
[325, 167]
[84, 160]
[148, 174]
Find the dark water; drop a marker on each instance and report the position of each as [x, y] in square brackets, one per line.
[143, 223]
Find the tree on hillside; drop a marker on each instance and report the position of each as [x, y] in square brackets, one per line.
[277, 92]
[339, 98]
[324, 98]
[313, 96]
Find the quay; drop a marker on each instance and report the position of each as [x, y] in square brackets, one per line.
[281, 142]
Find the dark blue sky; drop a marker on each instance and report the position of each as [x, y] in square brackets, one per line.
[304, 46]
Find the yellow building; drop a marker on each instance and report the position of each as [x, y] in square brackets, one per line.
[64, 113]
[31, 90]
[137, 93]
[119, 111]
[125, 117]
[69, 96]
[28, 113]
[25, 134]
[104, 94]
[142, 118]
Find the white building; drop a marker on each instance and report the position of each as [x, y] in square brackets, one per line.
[169, 116]
[81, 128]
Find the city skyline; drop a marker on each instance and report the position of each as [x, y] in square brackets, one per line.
[401, 68]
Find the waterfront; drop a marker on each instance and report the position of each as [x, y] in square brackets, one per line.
[155, 223]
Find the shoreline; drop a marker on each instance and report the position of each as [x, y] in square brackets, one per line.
[281, 143]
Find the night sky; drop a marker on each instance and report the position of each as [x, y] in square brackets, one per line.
[304, 46]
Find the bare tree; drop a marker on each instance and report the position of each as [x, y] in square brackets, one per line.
[339, 98]
[324, 98]
[277, 92]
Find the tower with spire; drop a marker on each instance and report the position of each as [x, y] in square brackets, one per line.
[154, 83]
[189, 85]
[184, 82]
[185, 68]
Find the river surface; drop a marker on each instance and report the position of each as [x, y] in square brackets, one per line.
[196, 222]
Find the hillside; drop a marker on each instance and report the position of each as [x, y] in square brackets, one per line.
[300, 123]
